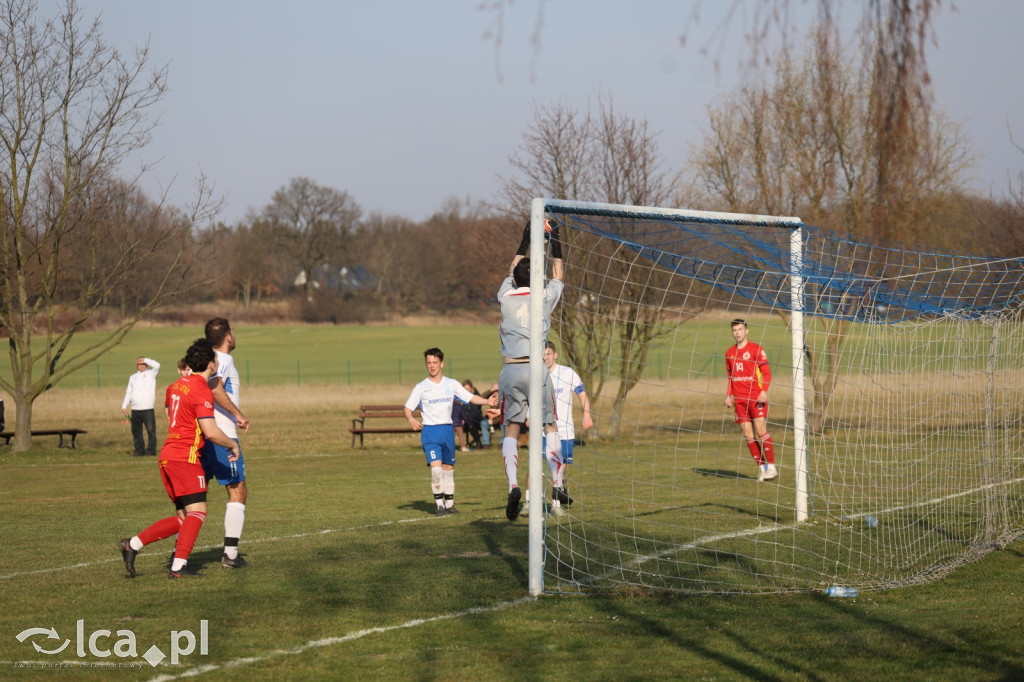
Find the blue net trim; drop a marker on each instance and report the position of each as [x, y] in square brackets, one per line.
[843, 279]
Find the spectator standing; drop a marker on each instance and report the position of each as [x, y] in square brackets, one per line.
[140, 399]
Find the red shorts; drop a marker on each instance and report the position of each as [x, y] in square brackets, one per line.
[182, 478]
[749, 410]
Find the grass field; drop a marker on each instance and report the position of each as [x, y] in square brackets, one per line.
[353, 577]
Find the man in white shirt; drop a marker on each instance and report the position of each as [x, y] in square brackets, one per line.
[565, 383]
[140, 399]
[434, 397]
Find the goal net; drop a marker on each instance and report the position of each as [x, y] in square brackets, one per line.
[895, 406]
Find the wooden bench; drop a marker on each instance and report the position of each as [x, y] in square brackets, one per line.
[359, 427]
[60, 433]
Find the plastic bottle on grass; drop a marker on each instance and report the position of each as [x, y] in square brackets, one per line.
[840, 591]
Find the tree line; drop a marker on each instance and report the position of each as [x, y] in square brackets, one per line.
[816, 136]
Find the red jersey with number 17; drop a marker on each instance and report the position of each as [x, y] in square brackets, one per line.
[748, 371]
[189, 399]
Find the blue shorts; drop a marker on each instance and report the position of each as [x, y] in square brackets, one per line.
[439, 443]
[217, 466]
[567, 451]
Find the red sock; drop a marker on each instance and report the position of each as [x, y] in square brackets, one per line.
[188, 534]
[755, 450]
[769, 449]
[164, 528]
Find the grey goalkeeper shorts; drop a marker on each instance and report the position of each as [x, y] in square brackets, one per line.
[514, 392]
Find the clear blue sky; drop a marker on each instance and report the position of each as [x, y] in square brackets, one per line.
[405, 103]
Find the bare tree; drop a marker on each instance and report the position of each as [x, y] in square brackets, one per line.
[554, 158]
[313, 223]
[254, 271]
[72, 109]
[897, 31]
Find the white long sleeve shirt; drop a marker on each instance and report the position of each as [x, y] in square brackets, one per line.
[141, 393]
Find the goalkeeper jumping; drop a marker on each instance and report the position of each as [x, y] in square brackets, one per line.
[514, 380]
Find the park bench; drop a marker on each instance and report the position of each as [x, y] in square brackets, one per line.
[359, 427]
[60, 433]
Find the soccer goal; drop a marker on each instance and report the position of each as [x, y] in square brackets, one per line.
[895, 407]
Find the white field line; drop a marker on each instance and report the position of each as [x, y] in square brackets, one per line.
[331, 641]
[711, 539]
[252, 541]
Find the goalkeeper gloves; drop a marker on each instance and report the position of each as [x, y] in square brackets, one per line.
[551, 237]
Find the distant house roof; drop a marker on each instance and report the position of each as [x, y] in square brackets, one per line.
[344, 278]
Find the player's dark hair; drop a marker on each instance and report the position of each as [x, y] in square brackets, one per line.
[217, 330]
[521, 273]
[436, 352]
[738, 321]
[199, 355]
[551, 345]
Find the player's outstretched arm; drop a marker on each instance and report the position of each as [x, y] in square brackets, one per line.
[557, 269]
[492, 401]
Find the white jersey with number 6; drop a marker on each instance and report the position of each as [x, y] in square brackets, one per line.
[435, 400]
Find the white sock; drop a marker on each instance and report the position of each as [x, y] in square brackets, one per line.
[178, 564]
[553, 453]
[135, 543]
[448, 485]
[234, 519]
[436, 486]
[510, 453]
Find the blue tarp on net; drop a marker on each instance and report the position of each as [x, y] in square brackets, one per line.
[842, 279]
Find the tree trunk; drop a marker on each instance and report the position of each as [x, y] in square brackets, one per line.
[22, 423]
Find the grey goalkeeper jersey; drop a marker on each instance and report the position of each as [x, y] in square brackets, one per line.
[514, 330]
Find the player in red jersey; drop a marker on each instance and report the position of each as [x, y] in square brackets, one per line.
[749, 377]
[190, 408]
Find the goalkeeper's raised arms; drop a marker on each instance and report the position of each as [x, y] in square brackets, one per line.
[551, 234]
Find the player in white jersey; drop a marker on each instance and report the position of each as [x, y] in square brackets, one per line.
[514, 380]
[225, 386]
[565, 382]
[434, 397]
